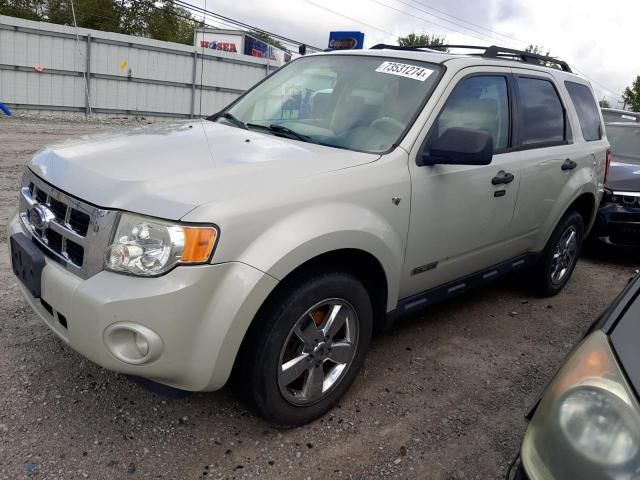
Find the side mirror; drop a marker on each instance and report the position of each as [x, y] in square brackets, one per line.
[458, 146]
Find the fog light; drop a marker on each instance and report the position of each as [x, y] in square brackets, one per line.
[133, 343]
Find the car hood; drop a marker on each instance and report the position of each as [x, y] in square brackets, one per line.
[624, 175]
[168, 170]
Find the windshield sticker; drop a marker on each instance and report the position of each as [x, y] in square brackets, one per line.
[405, 70]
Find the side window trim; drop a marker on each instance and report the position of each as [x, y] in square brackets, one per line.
[568, 134]
[511, 99]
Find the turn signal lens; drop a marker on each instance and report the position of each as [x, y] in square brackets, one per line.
[198, 244]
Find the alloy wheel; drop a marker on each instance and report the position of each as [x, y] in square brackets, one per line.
[318, 351]
[564, 255]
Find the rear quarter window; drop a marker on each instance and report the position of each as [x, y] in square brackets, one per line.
[541, 113]
[587, 110]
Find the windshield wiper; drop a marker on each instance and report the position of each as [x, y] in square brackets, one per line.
[274, 127]
[230, 117]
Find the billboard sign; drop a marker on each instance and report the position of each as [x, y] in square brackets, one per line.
[223, 41]
[346, 40]
[261, 49]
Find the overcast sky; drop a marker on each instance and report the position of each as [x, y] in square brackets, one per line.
[598, 38]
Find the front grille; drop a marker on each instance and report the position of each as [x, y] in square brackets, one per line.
[75, 252]
[79, 222]
[75, 234]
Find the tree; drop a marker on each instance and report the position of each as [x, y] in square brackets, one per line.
[631, 95]
[537, 49]
[157, 19]
[171, 23]
[27, 9]
[437, 42]
[604, 103]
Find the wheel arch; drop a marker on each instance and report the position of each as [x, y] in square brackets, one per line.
[361, 264]
[584, 202]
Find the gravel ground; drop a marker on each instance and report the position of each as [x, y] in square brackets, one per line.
[441, 397]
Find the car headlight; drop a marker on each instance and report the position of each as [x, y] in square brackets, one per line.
[599, 425]
[587, 425]
[618, 198]
[149, 247]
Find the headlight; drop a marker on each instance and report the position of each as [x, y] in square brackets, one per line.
[610, 196]
[587, 425]
[149, 247]
[599, 425]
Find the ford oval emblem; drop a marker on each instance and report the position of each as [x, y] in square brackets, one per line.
[40, 215]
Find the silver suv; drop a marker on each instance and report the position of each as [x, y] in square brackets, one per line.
[340, 193]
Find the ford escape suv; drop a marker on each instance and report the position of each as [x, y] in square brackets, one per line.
[343, 191]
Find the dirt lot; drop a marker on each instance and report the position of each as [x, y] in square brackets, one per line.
[441, 397]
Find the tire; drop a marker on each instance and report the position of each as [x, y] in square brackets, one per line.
[560, 255]
[302, 310]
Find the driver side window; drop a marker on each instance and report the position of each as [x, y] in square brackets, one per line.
[477, 103]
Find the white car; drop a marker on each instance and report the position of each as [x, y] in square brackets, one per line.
[341, 192]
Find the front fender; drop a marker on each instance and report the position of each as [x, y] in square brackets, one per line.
[319, 229]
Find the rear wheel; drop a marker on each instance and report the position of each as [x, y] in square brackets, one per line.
[560, 255]
[307, 348]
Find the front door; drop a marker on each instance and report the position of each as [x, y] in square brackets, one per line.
[461, 214]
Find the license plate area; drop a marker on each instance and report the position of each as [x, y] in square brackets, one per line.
[27, 261]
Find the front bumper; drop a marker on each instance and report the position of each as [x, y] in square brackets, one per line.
[199, 315]
[618, 224]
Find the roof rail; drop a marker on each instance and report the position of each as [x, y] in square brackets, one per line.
[492, 51]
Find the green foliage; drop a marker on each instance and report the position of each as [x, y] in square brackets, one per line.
[631, 95]
[160, 20]
[604, 103]
[537, 49]
[169, 23]
[436, 41]
[28, 9]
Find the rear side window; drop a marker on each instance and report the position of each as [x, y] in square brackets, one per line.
[541, 114]
[587, 110]
[478, 103]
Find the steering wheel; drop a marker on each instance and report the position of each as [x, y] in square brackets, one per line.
[387, 125]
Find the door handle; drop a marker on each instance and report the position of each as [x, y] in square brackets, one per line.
[569, 164]
[502, 177]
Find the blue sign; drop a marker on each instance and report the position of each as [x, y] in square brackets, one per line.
[346, 40]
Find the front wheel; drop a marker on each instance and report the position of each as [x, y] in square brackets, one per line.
[560, 255]
[308, 348]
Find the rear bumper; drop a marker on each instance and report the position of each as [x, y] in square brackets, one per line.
[195, 318]
[618, 225]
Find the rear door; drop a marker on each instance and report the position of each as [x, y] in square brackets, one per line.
[548, 154]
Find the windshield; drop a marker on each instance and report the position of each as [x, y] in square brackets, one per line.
[625, 141]
[355, 102]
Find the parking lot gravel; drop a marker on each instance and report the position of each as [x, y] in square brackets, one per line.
[442, 396]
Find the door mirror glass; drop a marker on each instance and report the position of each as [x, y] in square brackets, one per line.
[459, 146]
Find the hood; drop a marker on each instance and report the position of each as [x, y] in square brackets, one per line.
[624, 174]
[168, 170]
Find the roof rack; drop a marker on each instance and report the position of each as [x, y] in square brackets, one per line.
[492, 51]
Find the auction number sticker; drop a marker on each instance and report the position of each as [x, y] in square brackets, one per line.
[405, 70]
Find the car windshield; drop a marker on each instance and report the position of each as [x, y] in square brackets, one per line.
[625, 142]
[361, 103]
